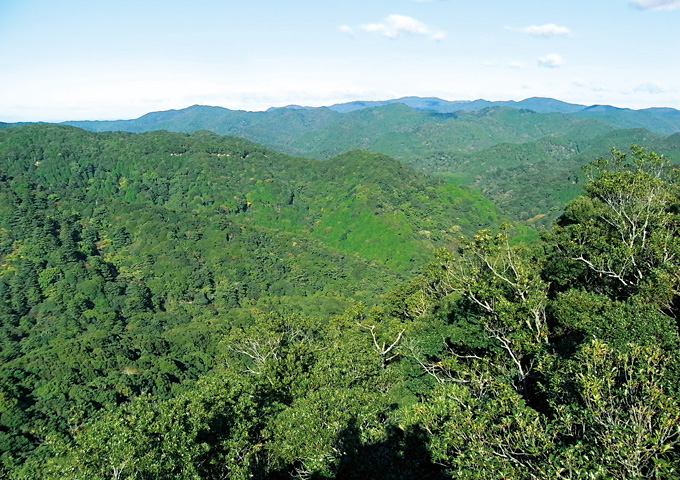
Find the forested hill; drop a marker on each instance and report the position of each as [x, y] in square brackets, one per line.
[125, 258]
[397, 129]
[394, 129]
[532, 181]
[664, 121]
[517, 153]
[198, 306]
[241, 181]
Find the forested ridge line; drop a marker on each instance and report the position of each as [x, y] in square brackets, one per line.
[518, 154]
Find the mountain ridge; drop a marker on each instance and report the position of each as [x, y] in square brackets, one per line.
[424, 133]
[661, 120]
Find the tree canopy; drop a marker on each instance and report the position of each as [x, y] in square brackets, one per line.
[192, 306]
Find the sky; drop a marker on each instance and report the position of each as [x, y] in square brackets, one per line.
[105, 60]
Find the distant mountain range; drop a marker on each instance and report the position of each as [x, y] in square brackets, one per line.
[518, 153]
[537, 104]
[663, 121]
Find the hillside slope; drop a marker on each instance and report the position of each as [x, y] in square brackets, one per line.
[533, 181]
[516, 156]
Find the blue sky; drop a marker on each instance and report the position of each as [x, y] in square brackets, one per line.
[100, 59]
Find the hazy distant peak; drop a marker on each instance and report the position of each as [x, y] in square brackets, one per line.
[602, 108]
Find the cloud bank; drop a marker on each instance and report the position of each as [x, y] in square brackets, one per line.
[651, 88]
[552, 60]
[395, 26]
[346, 29]
[547, 30]
[656, 4]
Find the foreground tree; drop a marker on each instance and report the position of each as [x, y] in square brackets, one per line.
[499, 287]
[621, 237]
[592, 356]
[614, 413]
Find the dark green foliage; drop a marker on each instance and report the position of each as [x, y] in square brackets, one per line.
[624, 230]
[126, 258]
[197, 306]
[599, 389]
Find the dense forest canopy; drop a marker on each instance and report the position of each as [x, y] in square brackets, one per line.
[524, 156]
[200, 306]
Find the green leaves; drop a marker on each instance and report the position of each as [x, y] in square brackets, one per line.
[487, 433]
[142, 439]
[624, 231]
[189, 321]
[622, 415]
[502, 288]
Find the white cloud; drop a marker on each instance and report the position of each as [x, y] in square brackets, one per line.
[656, 4]
[588, 86]
[346, 29]
[651, 88]
[518, 65]
[552, 60]
[547, 30]
[395, 25]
